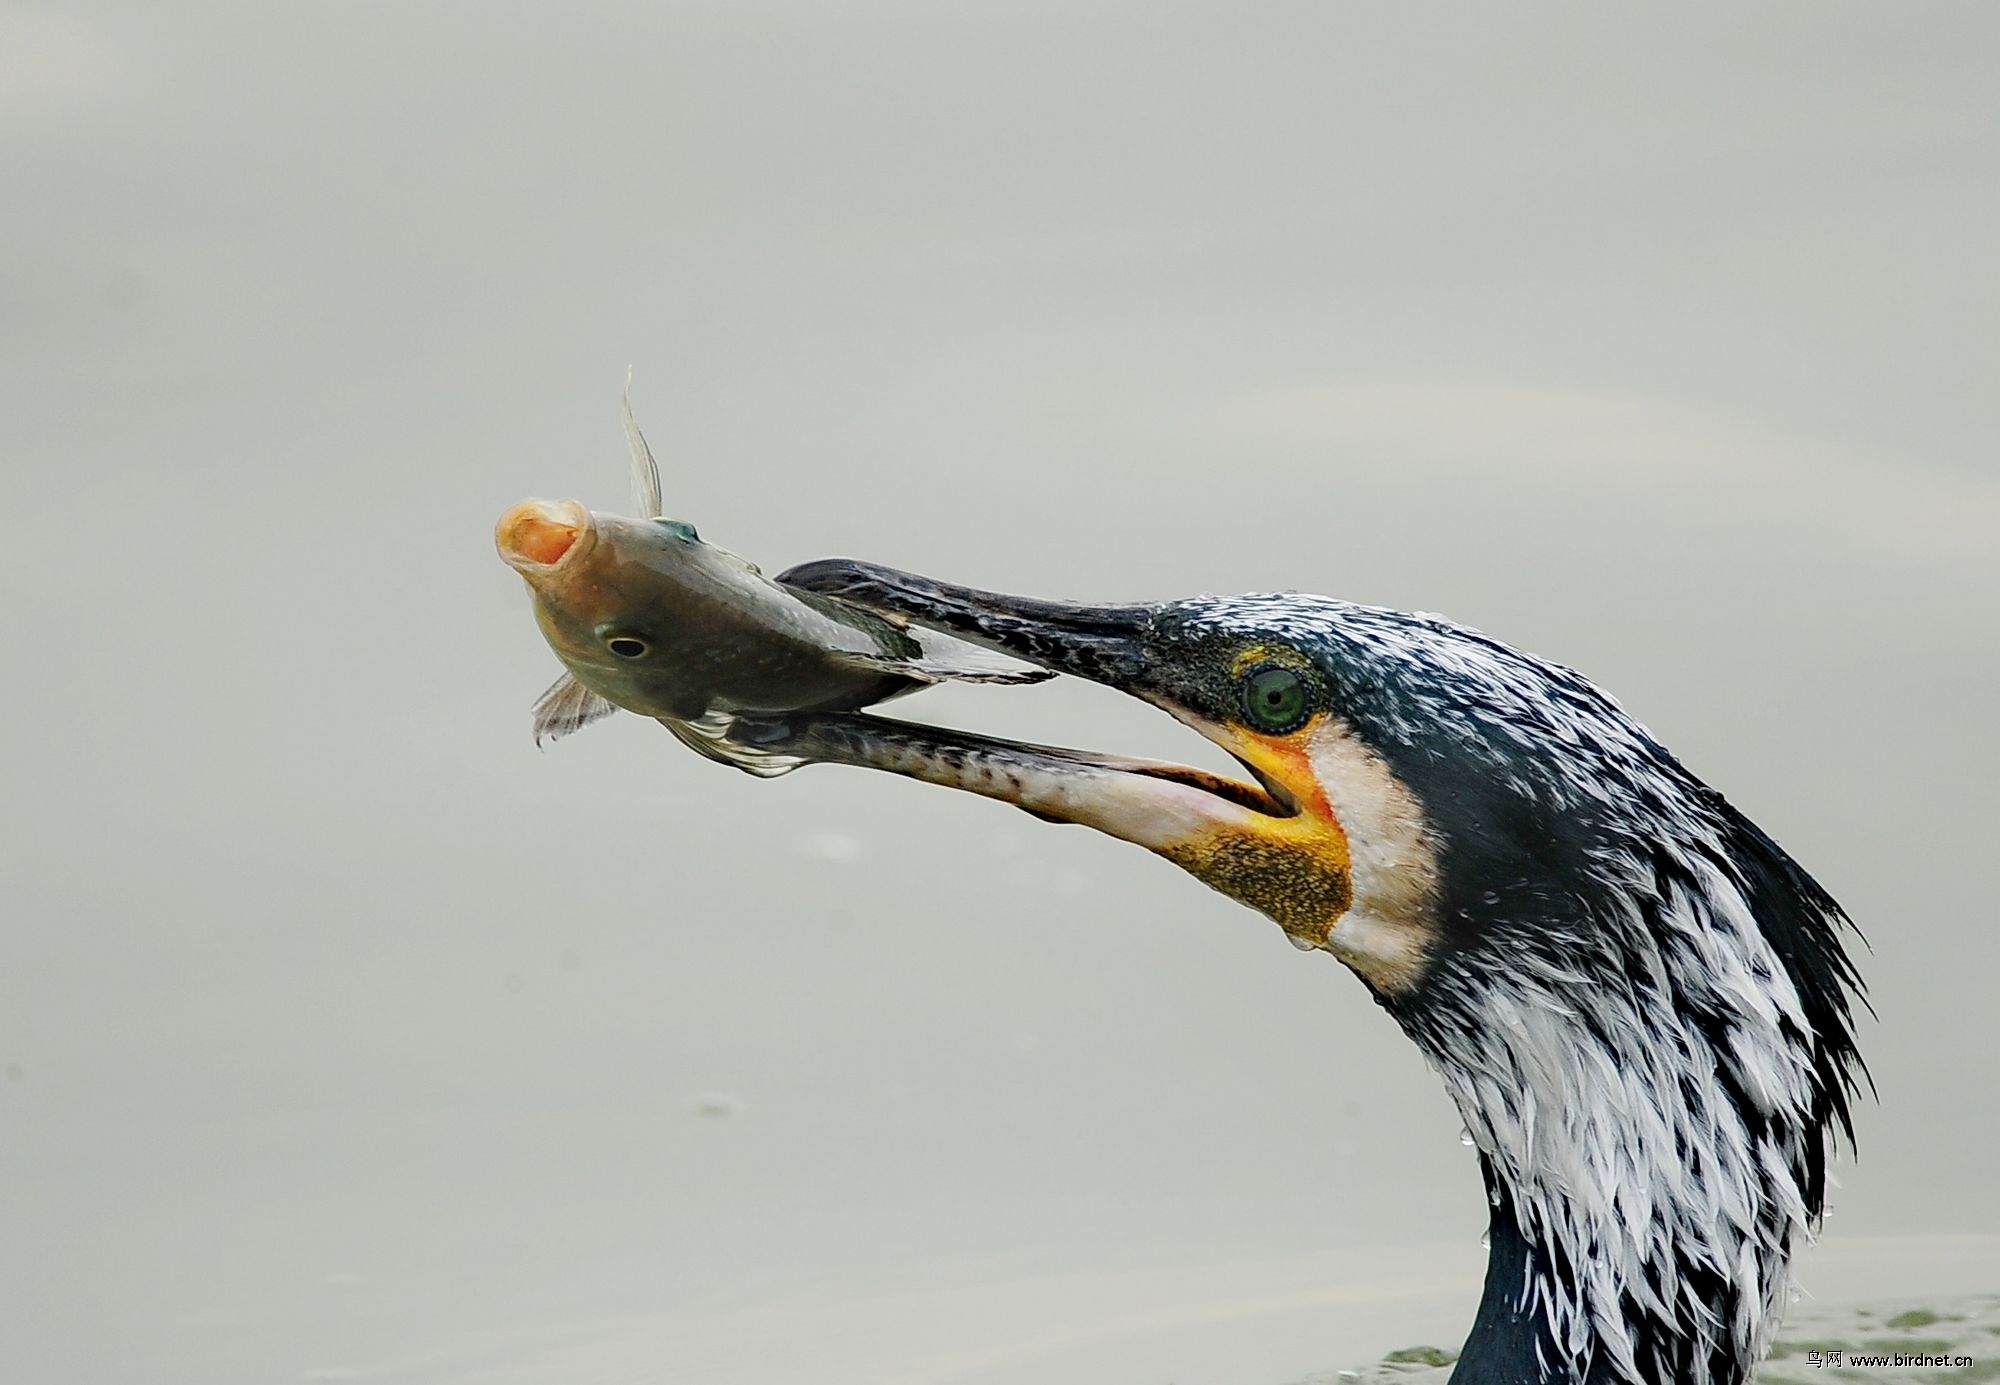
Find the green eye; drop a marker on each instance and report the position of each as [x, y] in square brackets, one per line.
[1275, 699]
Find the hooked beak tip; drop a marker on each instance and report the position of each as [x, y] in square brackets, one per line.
[539, 533]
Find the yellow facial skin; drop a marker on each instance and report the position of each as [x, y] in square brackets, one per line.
[1295, 870]
[1330, 844]
[1340, 857]
[1353, 871]
[1287, 859]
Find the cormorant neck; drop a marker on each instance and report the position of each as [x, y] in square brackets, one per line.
[1504, 1336]
[1510, 1342]
[1647, 1171]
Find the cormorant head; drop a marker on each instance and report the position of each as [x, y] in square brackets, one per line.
[1320, 834]
[1637, 1000]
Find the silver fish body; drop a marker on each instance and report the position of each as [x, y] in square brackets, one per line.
[647, 617]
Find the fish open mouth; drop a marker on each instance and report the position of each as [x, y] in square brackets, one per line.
[1177, 810]
[537, 535]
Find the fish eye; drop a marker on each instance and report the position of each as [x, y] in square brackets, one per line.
[626, 647]
[1275, 699]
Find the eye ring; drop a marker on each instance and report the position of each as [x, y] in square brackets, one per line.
[627, 647]
[1275, 699]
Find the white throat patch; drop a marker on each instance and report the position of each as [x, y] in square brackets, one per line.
[1388, 931]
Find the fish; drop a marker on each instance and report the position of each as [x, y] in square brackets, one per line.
[647, 617]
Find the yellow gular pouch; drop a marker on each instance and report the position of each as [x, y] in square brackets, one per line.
[1294, 870]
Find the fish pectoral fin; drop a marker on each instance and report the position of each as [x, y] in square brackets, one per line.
[965, 662]
[567, 706]
[942, 659]
[959, 674]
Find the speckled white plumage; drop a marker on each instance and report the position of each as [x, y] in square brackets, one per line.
[1639, 1076]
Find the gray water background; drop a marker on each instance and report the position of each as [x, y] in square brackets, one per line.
[344, 1036]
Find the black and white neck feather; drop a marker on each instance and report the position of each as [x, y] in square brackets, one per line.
[1639, 1003]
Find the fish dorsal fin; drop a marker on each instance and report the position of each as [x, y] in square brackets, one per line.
[645, 471]
[567, 706]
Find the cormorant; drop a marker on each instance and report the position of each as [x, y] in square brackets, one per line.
[1638, 1001]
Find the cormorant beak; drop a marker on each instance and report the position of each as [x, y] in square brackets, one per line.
[1106, 644]
[1270, 841]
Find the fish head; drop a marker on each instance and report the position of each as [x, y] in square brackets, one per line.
[596, 580]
